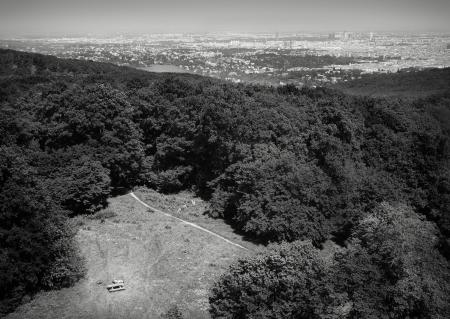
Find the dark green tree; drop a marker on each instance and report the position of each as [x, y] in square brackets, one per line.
[283, 282]
[392, 267]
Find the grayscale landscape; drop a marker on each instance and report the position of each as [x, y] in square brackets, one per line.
[225, 159]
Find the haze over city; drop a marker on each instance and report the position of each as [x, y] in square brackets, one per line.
[62, 17]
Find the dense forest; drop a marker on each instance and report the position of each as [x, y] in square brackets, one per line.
[288, 167]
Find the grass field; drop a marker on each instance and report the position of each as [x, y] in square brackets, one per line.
[162, 261]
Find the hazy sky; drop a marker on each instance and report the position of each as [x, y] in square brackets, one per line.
[18, 17]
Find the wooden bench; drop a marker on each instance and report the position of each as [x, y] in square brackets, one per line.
[115, 287]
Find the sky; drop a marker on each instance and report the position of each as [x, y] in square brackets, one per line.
[70, 17]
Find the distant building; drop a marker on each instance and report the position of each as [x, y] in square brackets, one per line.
[348, 35]
[343, 35]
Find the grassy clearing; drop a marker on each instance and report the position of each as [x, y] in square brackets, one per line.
[190, 208]
[162, 261]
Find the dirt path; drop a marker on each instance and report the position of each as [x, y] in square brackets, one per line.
[186, 222]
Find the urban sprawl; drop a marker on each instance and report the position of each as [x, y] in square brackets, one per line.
[273, 59]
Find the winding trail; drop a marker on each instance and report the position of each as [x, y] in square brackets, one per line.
[187, 223]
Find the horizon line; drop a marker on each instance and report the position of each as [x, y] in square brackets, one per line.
[235, 33]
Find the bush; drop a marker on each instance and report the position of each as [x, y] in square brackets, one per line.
[173, 313]
[104, 214]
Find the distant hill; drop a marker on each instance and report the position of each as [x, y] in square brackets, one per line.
[23, 70]
[18, 63]
[408, 83]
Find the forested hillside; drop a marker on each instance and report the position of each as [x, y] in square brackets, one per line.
[408, 83]
[279, 164]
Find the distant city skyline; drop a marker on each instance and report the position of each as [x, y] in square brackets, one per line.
[70, 17]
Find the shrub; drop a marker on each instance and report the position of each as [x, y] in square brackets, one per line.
[173, 313]
[104, 214]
